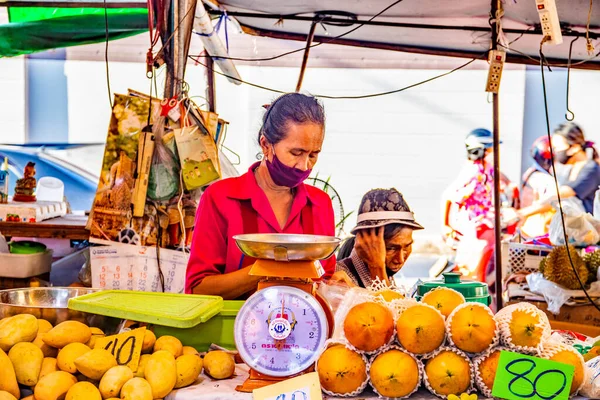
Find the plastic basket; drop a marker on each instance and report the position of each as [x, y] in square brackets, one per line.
[177, 310]
[523, 258]
[217, 330]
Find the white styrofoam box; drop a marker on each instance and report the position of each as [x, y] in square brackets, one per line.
[25, 265]
[32, 212]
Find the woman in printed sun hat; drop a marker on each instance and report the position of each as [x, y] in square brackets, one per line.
[383, 240]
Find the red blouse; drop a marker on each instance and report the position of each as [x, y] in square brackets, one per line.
[219, 217]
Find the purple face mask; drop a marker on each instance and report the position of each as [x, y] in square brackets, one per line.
[283, 175]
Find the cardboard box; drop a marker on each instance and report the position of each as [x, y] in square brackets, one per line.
[582, 315]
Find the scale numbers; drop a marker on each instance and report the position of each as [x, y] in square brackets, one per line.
[280, 331]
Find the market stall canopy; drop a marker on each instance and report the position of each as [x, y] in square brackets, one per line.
[455, 28]
[41, 28]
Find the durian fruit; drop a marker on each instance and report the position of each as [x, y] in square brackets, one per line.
[543, 265]
[558, 269]
[592, 261]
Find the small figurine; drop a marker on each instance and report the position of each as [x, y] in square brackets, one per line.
[25, 187]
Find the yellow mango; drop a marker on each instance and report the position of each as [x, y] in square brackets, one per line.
[149, 341]
[48, 366]
[44, 326]
[54, 386]
[161, 373]
[170, 344]
[8, 378]
[142, 365]
[95, 363]
[83, 391]
[219, 364]
[190, 350]
[48, 351]
[113, 380]
[27, 360]
[189, 367]
[136, 389]
[96, 333]
[6, 396]
[67, 332]
[20, 328]
[31, 397]
[67, 356]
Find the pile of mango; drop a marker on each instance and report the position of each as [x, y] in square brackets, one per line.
[61, 363]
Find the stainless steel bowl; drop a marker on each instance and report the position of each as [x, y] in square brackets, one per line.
[50, 303]
[287, 247]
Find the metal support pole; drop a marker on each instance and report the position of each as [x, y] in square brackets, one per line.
[211, 93]
[497, 205]
[309, 40]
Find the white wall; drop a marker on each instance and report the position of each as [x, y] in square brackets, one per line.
[411, 140]
[12, 100]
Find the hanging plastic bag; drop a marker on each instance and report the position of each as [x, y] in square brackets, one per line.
[597, 204]
[198, 156]
[582, 228]
[163, 183]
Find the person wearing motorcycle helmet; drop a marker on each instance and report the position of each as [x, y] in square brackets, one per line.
[537, 183]
[577, 171]
[468, 208]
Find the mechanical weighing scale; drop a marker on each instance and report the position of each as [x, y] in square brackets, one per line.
[281, 329]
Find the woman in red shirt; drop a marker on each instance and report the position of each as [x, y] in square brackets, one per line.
[270, 198]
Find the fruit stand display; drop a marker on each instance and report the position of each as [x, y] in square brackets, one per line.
[384, 345]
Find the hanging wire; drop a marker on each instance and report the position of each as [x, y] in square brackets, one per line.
[569, 115]
[110, 100]
[562, 215]
[316, 44]
[589, 45]
[366, 96]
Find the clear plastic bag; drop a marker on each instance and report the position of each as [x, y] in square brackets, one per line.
[582, 228]
[163, 183]
[554, 294]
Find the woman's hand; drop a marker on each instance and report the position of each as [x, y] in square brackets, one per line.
[343, 278]
[370, 247]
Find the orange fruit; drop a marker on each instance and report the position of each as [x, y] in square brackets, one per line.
[394, 374]
[421, 329]
[473, 328]
[574, 359]
[524, 329]
[368, 326]
[443, 299]
[487, 369]
[389, 294]
[448, 373]
[341, 370]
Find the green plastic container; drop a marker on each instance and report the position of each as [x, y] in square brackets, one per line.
[217, 330]
[169, 309]
[473, 291]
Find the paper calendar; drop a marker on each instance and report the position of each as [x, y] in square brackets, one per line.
[127, 267]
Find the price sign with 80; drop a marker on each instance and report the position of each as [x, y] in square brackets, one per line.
[524, 377]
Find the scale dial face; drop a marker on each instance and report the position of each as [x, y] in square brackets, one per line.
[280, 331]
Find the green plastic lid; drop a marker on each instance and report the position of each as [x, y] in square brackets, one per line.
[469, 289]
[26, 247]
[168, 309]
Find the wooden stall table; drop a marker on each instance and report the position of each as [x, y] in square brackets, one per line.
[206, 388]
[71, 226]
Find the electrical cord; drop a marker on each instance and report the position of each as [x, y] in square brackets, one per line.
[366, 96]
[106, 56]
[562, 216]
[313, 45]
